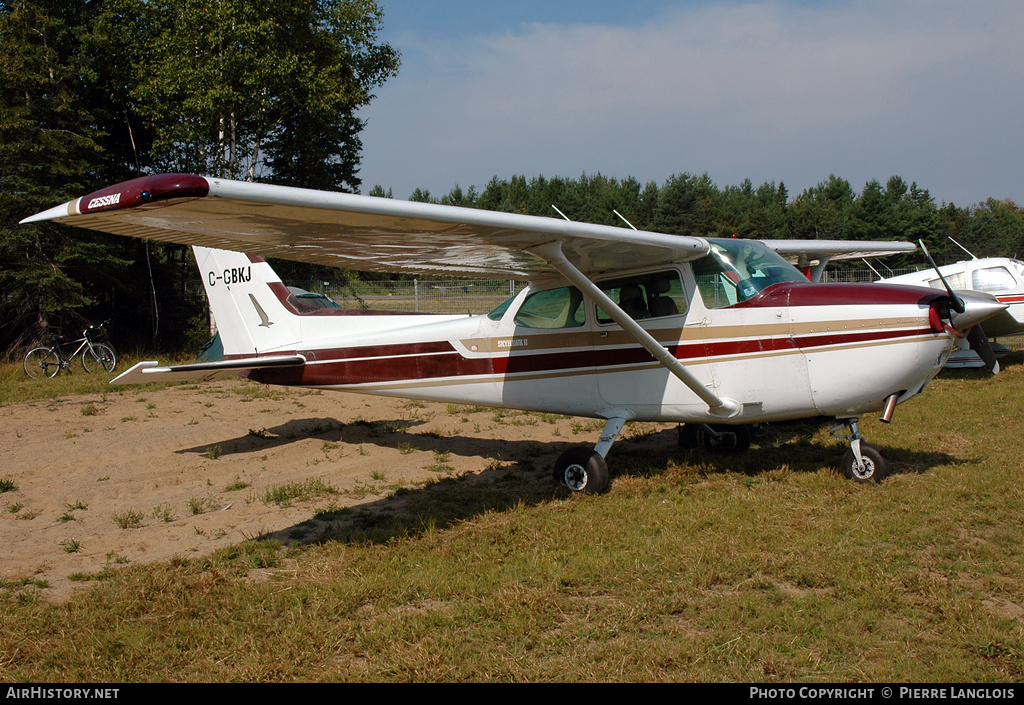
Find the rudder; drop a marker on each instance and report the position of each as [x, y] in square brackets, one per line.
[249, 315]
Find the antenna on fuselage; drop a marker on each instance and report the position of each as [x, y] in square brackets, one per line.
[560, 213]
[962, 248]
[623, 219]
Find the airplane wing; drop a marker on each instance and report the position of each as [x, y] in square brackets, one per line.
[358, 232]
[813, 255]
[379, 234]
[798, 251]
[151, 371]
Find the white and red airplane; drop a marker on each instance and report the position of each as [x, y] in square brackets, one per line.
[615, 324]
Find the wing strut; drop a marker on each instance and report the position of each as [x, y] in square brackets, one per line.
[551, 253]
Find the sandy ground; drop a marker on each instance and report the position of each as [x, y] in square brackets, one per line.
[187, 468]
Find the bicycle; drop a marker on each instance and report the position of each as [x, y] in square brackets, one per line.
[48, 361]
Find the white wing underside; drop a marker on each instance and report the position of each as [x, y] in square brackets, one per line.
[377, 234]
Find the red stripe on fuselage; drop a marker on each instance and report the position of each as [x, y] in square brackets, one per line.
[438, 360]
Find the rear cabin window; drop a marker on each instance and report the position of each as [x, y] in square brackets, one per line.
[955, 280]
[645, 296]
[552, 308]
[498, 313]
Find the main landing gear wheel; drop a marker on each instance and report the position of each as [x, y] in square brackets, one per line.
[689, 436]
[875, 469]
[583, 470]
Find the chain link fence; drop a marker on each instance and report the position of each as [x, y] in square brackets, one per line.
[864, 275]
[474, 296]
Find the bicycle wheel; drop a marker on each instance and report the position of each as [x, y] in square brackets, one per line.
[99, 357]
[42, 362]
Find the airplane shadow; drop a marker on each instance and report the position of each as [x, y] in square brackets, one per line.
[788, 446]
[391, 433]
[300, 429]
[524, 477]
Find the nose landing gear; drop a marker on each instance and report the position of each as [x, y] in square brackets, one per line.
[863, 462]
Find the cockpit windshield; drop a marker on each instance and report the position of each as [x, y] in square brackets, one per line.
[737, 270]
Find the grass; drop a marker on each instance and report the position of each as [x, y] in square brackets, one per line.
[297, 492]
[765, 567]
[128, 519]
[17, 387]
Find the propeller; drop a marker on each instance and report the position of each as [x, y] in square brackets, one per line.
[955, 302]
[979, 344]
[981, 307]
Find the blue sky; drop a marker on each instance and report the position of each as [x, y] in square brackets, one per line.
[782, 90]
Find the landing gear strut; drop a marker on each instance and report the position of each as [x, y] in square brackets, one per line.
[863, 462]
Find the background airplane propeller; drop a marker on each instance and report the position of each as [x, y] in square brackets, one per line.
[976, 337]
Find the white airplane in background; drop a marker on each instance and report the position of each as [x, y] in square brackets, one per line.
[1001, 277]
[615, 324]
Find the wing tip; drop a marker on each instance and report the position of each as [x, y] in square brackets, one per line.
[61, 211]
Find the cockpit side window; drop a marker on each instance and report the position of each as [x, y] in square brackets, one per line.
[645, 296]
[552, 308]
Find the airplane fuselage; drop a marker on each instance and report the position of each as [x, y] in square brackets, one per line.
[793, 350]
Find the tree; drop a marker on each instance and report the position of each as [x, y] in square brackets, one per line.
[995, 229]
[687, 205]
[823, 212]
[49, 150]
[253, 91]
[95, 93]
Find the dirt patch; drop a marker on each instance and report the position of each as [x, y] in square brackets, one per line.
[139, 476]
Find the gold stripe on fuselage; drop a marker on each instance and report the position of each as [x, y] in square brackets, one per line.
[629, 367]
[544, 340]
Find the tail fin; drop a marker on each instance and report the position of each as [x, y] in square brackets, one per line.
[245, 297]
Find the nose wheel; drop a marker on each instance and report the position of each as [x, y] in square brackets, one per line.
[863, 462]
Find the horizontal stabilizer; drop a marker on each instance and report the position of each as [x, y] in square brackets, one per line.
[151, 371]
